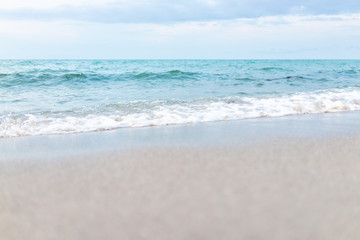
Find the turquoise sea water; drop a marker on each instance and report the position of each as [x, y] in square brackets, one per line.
[65, 96]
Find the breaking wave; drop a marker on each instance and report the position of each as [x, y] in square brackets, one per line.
[171, 112]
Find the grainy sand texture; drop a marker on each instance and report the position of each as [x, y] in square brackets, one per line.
[299, 181]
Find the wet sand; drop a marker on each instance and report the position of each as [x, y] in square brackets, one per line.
[287, 178]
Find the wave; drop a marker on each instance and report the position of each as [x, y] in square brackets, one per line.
[165, 75]
[272, 69]
[2, 75]
[42, 79]
[160, 113]
[55, 78]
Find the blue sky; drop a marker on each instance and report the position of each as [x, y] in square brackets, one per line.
[142, 29]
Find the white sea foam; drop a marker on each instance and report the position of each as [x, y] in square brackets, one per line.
[185, 112]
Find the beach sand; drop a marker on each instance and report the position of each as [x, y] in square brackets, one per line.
[281, 178]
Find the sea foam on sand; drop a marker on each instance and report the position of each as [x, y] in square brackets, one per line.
[161, 113]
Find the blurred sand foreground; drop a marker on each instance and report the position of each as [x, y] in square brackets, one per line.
[289, 188]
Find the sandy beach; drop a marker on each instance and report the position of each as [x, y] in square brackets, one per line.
[273, 178]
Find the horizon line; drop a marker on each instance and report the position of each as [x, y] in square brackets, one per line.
[159, 59]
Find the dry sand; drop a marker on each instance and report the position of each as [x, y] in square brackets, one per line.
[287, 188]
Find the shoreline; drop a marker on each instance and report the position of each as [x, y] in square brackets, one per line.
[211, 134]
[293, 177]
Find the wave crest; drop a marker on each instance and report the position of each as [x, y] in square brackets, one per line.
[160, 113]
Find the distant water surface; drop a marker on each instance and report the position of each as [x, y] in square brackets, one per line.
[66, 96]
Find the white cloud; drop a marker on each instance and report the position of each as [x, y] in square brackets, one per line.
[291, 36]
[48, 4]
[161, 11]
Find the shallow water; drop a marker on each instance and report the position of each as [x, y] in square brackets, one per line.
[65, 96]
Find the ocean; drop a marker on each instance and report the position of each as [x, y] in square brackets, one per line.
[70, 96]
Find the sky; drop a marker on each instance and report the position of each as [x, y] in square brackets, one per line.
[179, 29]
